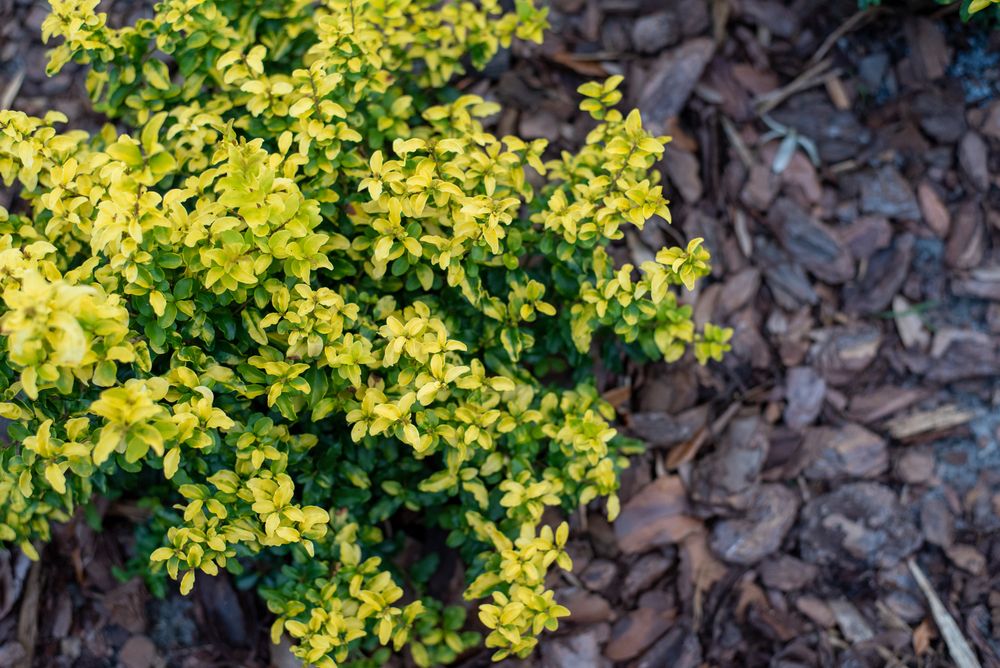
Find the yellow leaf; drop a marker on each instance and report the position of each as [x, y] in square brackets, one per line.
[187, 583]
[300, 108]
[56, 478]
[158, 302]
[171, 462]
[29, 551]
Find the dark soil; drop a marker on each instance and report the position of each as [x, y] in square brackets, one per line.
[842, 169]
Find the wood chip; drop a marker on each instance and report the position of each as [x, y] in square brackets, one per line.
[838, 94]
[936, 420]
[958, 646]
[973, 157]
[618, 396]
[672, 78]
[657, 515]
[851, 623]
[932, 207]
[27, 621]
[922, 636]
[882, 402]
[684, 172]
[965, 247]
[585, 67]
[929, 52]
[741, 228]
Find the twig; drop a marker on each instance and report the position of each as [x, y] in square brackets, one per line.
[845, 27]
[958, 646]
[12, 89]
[686, 451]
[720, 17]
[572, 579]
[889, 658]
[742, 152]
[27, 620]
[813, 76]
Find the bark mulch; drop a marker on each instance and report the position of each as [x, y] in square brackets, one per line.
[829, 495]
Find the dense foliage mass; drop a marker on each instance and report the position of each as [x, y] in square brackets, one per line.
[315, 315]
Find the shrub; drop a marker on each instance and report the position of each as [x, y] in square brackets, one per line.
[314, 314]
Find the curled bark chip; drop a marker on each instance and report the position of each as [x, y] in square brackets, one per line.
[758, 533]
[861, 523]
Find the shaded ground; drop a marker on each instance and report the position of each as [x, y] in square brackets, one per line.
[840, 167]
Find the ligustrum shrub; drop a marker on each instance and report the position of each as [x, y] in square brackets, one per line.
[317, 317]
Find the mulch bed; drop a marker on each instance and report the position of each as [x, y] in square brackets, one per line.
[802, 502]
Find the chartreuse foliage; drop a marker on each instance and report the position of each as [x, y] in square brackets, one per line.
[317, 310]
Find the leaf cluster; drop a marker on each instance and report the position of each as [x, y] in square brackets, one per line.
[313, 311]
